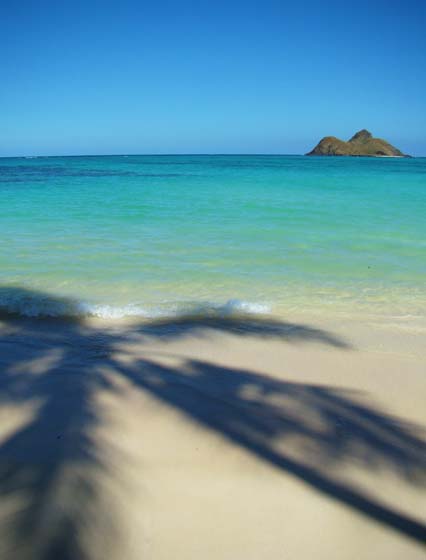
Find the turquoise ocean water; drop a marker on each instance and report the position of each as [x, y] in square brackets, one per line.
[164, 235]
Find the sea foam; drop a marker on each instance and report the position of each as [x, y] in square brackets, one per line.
[29, 303]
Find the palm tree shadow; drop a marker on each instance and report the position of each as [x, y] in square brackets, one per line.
[330, 427]
[42, 463]
[249, 409]
[240, 325]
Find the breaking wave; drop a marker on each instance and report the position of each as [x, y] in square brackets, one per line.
[29, 303]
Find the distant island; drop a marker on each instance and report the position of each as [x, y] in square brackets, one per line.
[361, 144]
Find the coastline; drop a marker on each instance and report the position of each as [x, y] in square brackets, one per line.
[214, 437]
[213, 281]
[218, 357]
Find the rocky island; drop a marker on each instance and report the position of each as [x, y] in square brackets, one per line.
[361, 144]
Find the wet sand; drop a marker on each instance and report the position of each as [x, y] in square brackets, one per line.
[212, 438]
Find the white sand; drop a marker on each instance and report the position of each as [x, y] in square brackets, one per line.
[225, 441]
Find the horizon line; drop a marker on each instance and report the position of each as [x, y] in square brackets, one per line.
[165, 154]
[204, 154]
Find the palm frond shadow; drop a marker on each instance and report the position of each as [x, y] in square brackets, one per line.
[42, 464]
[249, 325]
[332, 427]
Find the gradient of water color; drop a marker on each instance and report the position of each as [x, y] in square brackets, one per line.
[150, 235]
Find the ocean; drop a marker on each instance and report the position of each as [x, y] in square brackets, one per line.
[154, 236]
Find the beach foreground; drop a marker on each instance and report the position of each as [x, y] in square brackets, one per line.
[211, 438]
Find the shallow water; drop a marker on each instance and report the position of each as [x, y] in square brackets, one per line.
[160, 235]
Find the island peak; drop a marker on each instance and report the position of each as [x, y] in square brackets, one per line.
[362, 143]
[361, 135]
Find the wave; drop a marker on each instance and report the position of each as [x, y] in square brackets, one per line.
[28, 303]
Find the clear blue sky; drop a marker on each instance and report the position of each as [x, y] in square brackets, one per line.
[100, 77]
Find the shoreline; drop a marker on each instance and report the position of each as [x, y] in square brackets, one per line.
[371, 305]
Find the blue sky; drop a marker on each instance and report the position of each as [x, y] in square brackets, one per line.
[100, 77]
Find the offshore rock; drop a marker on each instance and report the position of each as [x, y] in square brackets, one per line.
[361, 144]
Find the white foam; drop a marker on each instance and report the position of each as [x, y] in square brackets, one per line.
[240, 306]
[32, 304]
[110, 311]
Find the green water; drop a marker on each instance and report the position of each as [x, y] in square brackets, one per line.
[164, 234]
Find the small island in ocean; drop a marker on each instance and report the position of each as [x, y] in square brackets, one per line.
[361, 144]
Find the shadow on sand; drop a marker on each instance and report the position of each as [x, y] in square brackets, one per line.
[43, 462]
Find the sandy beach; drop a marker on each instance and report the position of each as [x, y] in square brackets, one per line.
[212, 438]
[212, 280]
